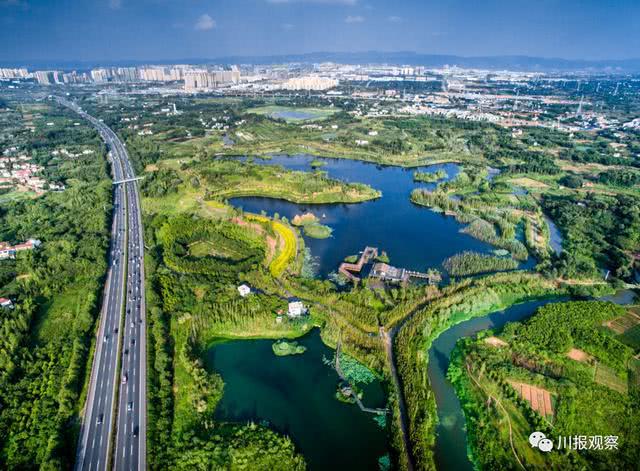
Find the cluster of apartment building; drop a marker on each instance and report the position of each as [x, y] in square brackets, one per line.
[139, 74]
[310, 82]
[204, 79]
[13, 73]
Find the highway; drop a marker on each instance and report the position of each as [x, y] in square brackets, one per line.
[116, 400]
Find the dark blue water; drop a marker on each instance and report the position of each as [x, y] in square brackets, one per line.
[414, 237]
[451, 436]
[296, 395]
[555, 236]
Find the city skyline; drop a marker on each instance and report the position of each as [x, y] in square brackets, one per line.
[165, 30]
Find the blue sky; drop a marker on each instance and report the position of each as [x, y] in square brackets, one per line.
[105, 30]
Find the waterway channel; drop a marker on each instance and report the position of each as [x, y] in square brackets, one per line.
[451, 436]
[296, 395]
[414, 237]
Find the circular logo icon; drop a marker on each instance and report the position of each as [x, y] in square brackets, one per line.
[535, 437]
[545, 445]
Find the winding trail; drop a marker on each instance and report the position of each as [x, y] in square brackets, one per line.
[355, 396]
[513, 448]
[387, 339]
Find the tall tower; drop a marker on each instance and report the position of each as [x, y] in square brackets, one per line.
[579, 110]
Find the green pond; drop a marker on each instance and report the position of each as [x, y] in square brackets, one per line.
[295, 395]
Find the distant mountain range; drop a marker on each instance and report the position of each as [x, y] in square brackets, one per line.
[518, 63]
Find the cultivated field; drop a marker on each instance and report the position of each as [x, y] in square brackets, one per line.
[627, 327]
[621, 324]
[607, 376]
[538, 398]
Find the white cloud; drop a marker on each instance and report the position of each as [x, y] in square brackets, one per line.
[115, 4]
[326, 2]
[395, 19]
[205, 23]
[354, 19]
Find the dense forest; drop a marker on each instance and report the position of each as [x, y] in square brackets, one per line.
[46, 339]
[600, 231]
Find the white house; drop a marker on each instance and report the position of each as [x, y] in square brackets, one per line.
[6, 303]
[296, 309]
[244, 290]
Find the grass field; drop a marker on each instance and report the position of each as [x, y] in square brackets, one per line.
[203, 248]
[607, 376]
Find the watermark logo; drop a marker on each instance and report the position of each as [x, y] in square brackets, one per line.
[540, 441]
[574, 442]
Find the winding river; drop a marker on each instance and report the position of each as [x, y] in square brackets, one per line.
[451, 439]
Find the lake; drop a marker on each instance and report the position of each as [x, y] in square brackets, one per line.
[291, 115]
[296, 396]
[414, 237]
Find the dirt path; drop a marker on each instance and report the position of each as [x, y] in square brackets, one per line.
[387, 339]
[355, 396]
[513, 448]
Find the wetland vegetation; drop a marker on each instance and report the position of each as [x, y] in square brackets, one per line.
[222, 212]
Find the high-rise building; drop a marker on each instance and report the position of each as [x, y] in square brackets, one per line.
[202, 79]
[311, 82]
[44, 77]
[13, 73]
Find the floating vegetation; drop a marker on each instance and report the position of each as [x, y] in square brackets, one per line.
[429, 177]
[283, 348]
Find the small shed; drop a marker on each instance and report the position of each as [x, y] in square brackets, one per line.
[244, 290]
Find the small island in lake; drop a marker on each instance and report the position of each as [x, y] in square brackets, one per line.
[283, 348]
[311, 226]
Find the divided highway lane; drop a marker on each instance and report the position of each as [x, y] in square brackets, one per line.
[126, 341]
[129, 452]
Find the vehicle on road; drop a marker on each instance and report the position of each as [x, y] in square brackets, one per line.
[100, 419]
[125, 378]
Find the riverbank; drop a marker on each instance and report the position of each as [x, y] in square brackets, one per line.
[550, 372]
[472, 298]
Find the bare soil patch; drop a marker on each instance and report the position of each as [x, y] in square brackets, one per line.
[539, 399]
[495, 342]
[578, 355]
